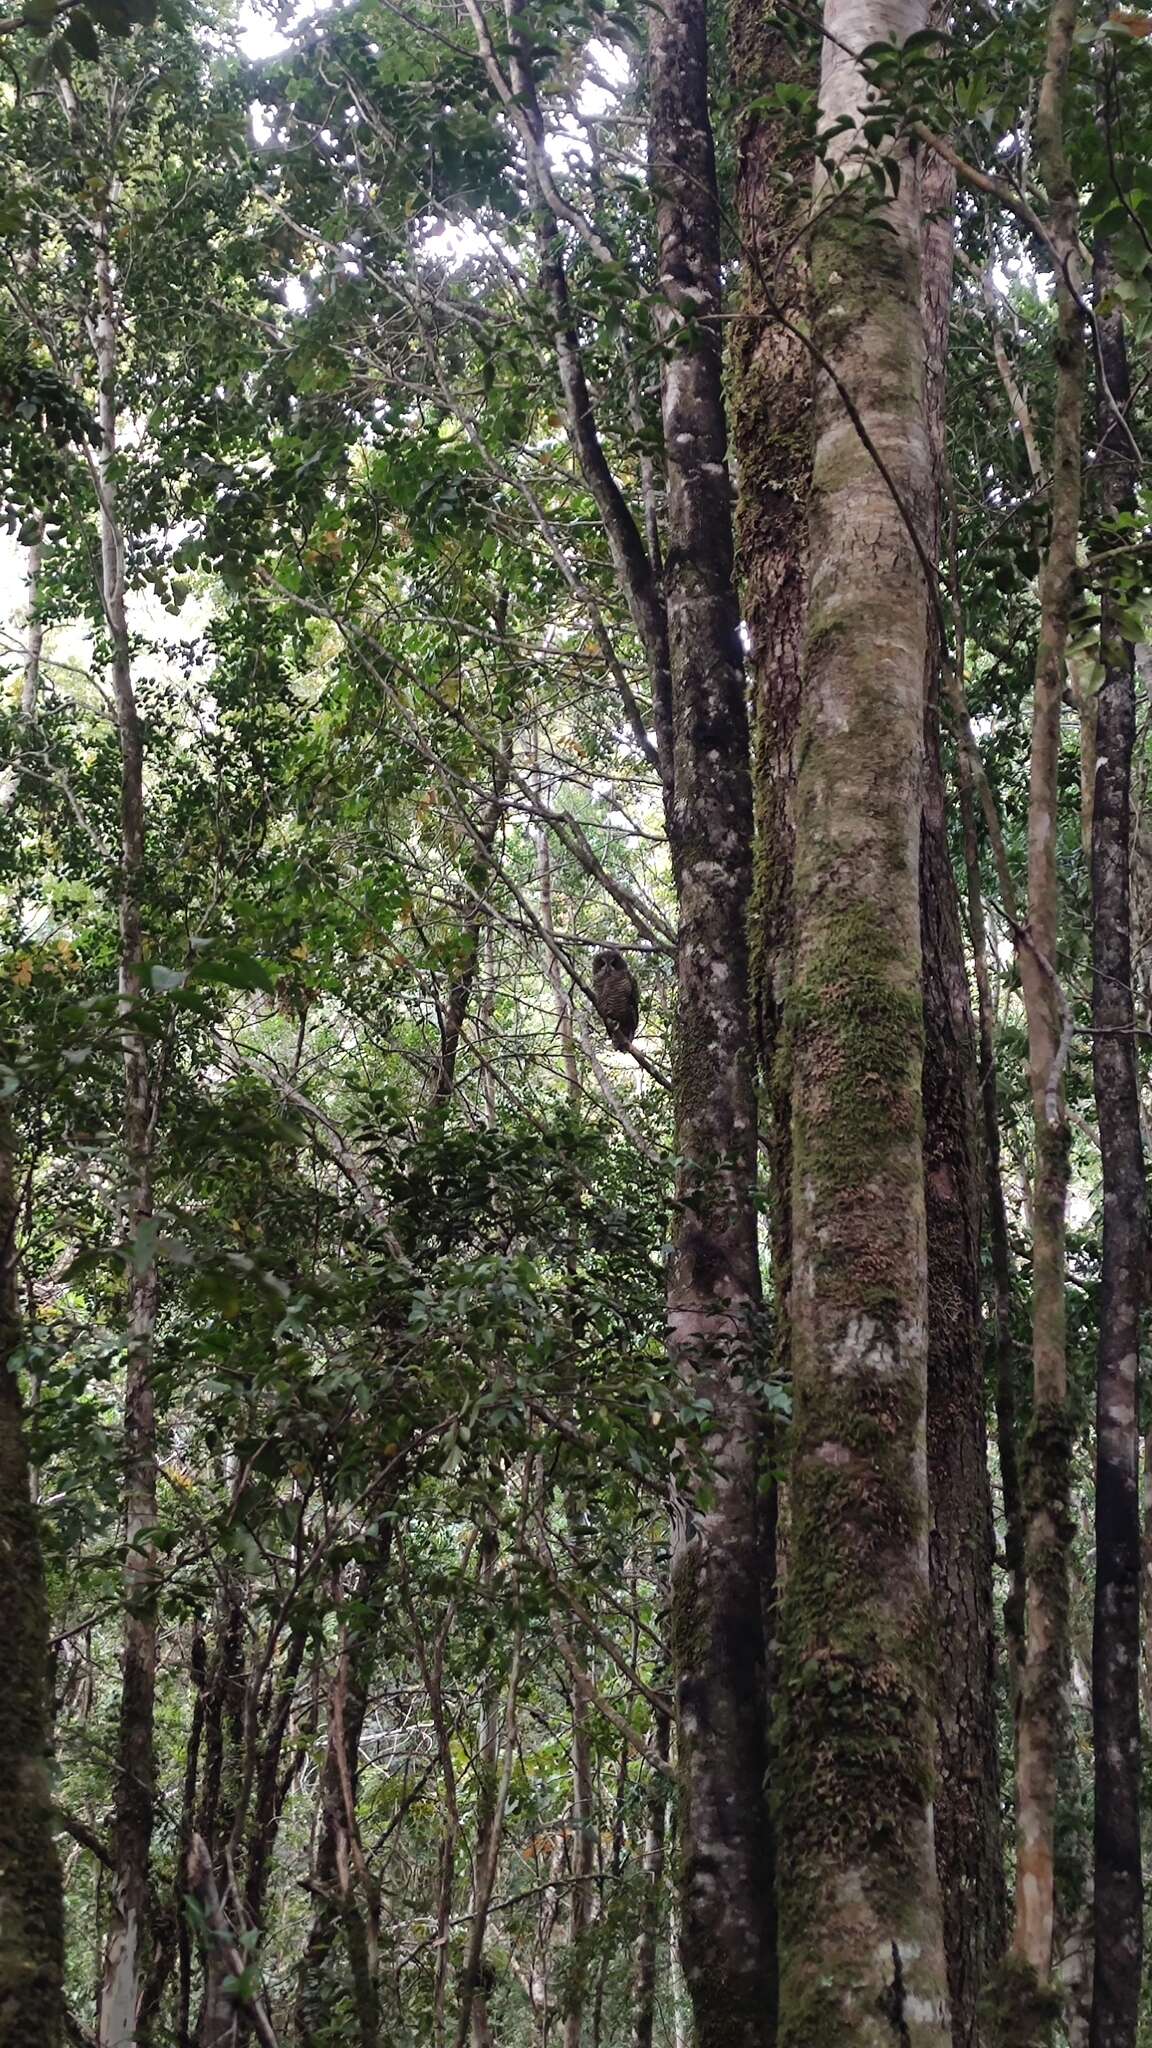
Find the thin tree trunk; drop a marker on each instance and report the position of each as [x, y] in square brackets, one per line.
[583, 1868]
[969, 1860]
[969, 1857]
[31, 1901]
[1001, 1346]
[228, 1963]
[487, 1764]
[1118, 1885]
[34, 635]
[644, 1960]
[334, 1862]
[1074, 1974]
[455, 1012]
[1042, 1702]
[676, 1988]
[128, 1949]
[223, 1771]
[198, 1671]
[862, 1954]
[1000, 1342]
[771, 398]
[713, 1276]
[771, 386]
[560, 1000]
[486, 1880]
[267, 1805]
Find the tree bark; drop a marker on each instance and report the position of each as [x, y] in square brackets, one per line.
[454, 1015]
[1118, 1884]
[1001, 1348]
[127, 1954]
[771, 387]
[34, 635]
[644, 1960]
[583, 1868]
[223, 1701]
[335, 1863]
[1044, 1678]
[862, 1957]
[969, 1861]
[713, 1275]
[31, 1900]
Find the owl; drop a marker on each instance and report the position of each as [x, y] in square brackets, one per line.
[616, 996]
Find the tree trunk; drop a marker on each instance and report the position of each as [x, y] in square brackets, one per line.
[1048, 1528]
[1118, 1884]
[487, 1766]
[1001, 1347]
[862, 1958]
[969, 1861]
[771, 385]
[454, 1015]
[583, 1867]
[223, 1770]
[961, 1546]
[644, 1961]
[33, 635]
[713, 1275]
[334, 1875]
[31, 1902]
[129, 1937]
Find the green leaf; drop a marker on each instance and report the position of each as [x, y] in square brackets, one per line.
[83, 38]
[230, 967]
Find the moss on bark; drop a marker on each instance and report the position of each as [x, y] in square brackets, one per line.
[1017, 2010]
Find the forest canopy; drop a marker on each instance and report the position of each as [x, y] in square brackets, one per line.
[575, 989]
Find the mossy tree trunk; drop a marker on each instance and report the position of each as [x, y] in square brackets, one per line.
[713, 1278]
[969, 1860]
[862, 1956]
[1119, 1892]
[770, 395]
[771, 404]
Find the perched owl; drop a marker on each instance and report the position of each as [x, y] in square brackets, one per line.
[617, 997]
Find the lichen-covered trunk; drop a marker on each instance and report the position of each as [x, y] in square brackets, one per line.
[31, 1901]
[969, 1861]
[713, 1274]
[1044, 1678]
[1118, 1884]
[771, 404]
[862, 1958]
